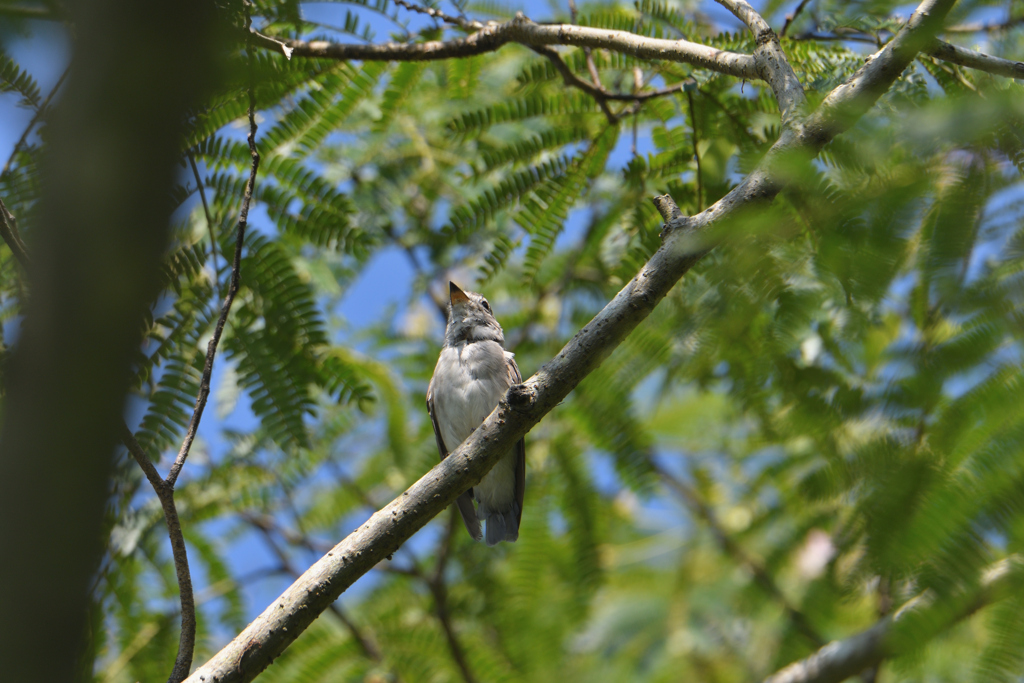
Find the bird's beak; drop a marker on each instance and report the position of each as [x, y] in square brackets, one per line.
[457, 295]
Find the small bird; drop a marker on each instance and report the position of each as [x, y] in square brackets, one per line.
[473, 372]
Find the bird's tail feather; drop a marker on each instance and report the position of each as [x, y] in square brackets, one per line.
[502, 525]
[469, 518]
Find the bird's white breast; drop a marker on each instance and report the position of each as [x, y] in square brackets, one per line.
[469, 380]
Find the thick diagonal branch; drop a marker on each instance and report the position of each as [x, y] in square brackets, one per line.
[684, 242]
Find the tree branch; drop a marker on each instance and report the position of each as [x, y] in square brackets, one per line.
[981, 27]
[792, 17]
[975, 60]
[438, 14]
[165, 493]
[525, 32]
[772, 64]
[850, 100]
[842, 659]
[683, 244]
[112, 142]
[598, 91]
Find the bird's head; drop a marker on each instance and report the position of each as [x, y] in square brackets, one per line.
[470, 318]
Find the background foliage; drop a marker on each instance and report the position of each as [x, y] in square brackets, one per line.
[821, 421]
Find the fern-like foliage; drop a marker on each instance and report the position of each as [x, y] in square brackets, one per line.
[545, 211]
[15, 79]
[821, 420]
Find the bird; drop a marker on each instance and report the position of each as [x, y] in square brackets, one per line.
[473, 373]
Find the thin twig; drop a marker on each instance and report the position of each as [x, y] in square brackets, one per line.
[980, 27]
[209, 219]
[699, 507]
[572, 80]
[792, 17]
[438, 14]
[40, 112]
[595, 77]
[243, 217]
[600, 94]
[838, 37]
[439, 589]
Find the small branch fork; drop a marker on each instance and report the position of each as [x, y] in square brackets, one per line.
[772, 65]
[602, 95]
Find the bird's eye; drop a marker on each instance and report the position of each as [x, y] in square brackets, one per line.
[486, 305]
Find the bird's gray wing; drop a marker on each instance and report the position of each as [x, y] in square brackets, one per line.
[464, 501]
[516, 377]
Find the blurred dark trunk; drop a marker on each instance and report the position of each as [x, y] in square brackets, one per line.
[113, 143]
